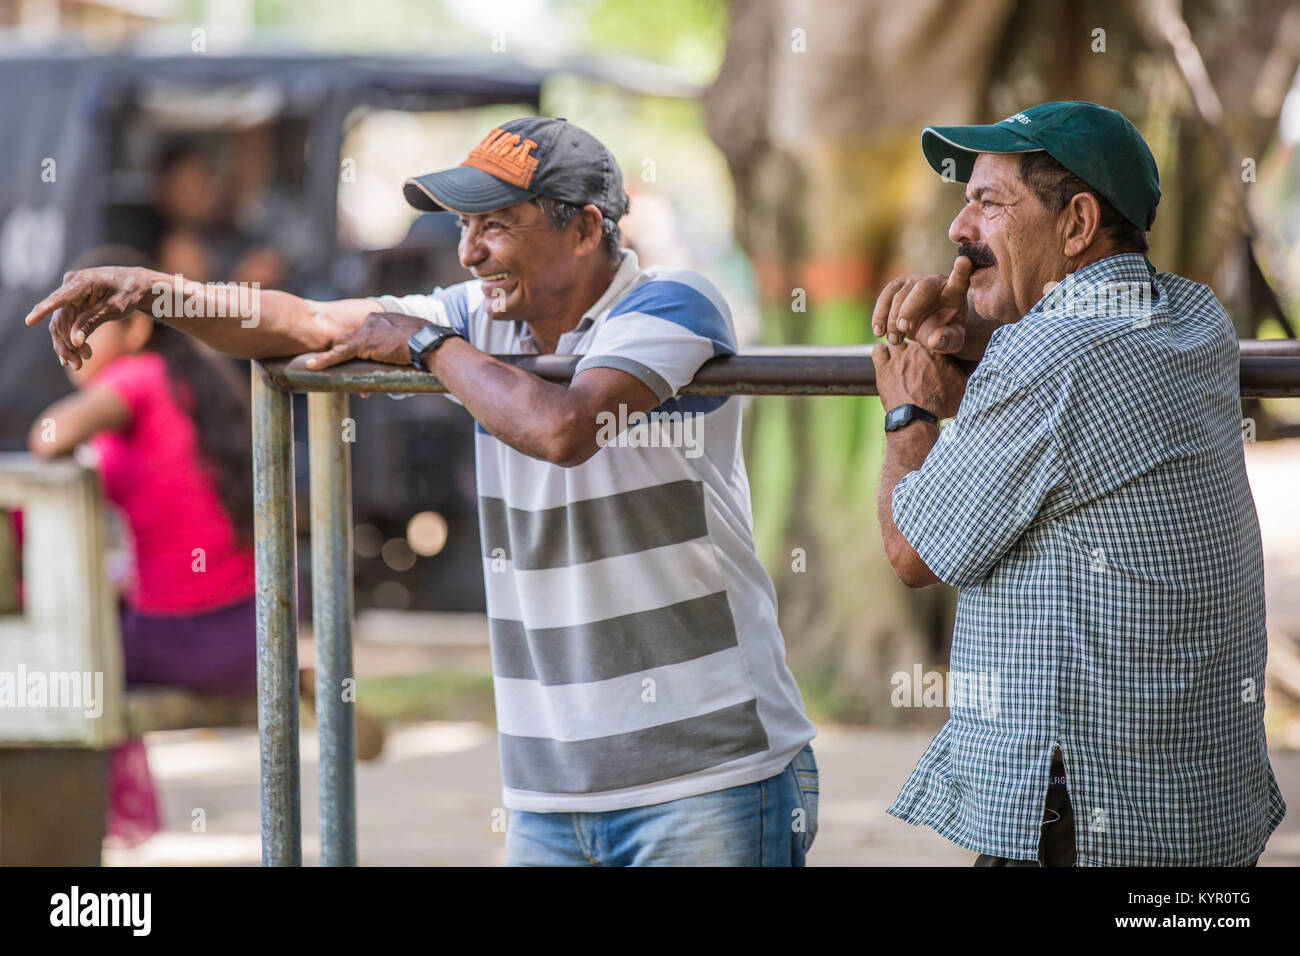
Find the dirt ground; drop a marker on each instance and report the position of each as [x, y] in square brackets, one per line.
[430, 801]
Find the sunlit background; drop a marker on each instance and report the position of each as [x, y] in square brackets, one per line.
[772, 146]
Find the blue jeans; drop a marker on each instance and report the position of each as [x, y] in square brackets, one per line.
[768, 823]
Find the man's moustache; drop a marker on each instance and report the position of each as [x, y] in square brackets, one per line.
[979, 256]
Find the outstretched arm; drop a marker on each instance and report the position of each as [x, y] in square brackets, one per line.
[243, 322]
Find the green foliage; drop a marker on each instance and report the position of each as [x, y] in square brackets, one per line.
[688, 34]
[841, 441]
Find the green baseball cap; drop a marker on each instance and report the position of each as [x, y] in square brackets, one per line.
[1097, 144]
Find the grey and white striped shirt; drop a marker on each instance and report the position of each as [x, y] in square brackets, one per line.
[635, 648]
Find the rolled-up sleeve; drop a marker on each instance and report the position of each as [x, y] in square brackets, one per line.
[986, 480]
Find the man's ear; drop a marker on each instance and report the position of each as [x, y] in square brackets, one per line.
[588, 223]
[1080, 224]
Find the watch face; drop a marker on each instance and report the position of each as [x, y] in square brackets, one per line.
[418, 343]
[425, 340]
[426, 336]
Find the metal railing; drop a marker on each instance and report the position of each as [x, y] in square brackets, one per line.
[1268, 369]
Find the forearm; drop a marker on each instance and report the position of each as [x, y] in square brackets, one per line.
[250, 322]
[905, 451]
[527, 413]
[562, 425]
[76, 418]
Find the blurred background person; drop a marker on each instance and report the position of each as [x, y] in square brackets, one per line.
[195, 236]
[168, 426]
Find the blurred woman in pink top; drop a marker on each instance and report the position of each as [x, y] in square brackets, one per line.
[168, 423]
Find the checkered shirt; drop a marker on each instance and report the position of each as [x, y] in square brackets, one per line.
[1090, 503]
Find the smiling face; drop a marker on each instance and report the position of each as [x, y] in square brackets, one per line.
[1013, 240]
[528, 268]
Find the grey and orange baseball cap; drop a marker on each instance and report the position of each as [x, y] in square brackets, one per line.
[534, 156]
[1097, 144]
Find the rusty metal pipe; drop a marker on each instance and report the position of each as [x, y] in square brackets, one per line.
[329, 441]
[1268, 369]
[277, 623]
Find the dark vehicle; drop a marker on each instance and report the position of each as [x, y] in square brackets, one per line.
[84, 137]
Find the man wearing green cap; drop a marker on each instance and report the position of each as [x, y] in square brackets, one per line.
[1089, 500]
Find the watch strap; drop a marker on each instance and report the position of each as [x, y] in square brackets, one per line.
[906, 414]
[426, 340]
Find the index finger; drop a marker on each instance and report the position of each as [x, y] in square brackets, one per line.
[958, 280]
[60, 297]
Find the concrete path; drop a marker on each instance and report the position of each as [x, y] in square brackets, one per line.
[433, 797]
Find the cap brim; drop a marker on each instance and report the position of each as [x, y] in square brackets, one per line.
[461, 189]
[951, 150]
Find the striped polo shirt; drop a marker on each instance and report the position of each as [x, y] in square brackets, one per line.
[635, 649]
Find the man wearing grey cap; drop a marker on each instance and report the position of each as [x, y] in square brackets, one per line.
[1089, 501]
[645, 710]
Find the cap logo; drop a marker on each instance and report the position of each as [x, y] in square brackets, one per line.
[502, 155]
[1020, 118]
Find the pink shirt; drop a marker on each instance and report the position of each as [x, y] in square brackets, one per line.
[187, 558]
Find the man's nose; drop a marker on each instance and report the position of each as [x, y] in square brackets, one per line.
[963, 227]
[471, 249]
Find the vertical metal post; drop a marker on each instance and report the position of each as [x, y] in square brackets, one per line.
[331, 601]
[277, 622]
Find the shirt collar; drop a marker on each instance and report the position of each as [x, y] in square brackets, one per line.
[625, 277]
[1129, 270]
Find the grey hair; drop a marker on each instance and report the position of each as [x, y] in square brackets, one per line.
[1055, 186]
[561, 213]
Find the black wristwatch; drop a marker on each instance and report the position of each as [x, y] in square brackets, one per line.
[905, 415]
[426, 340]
